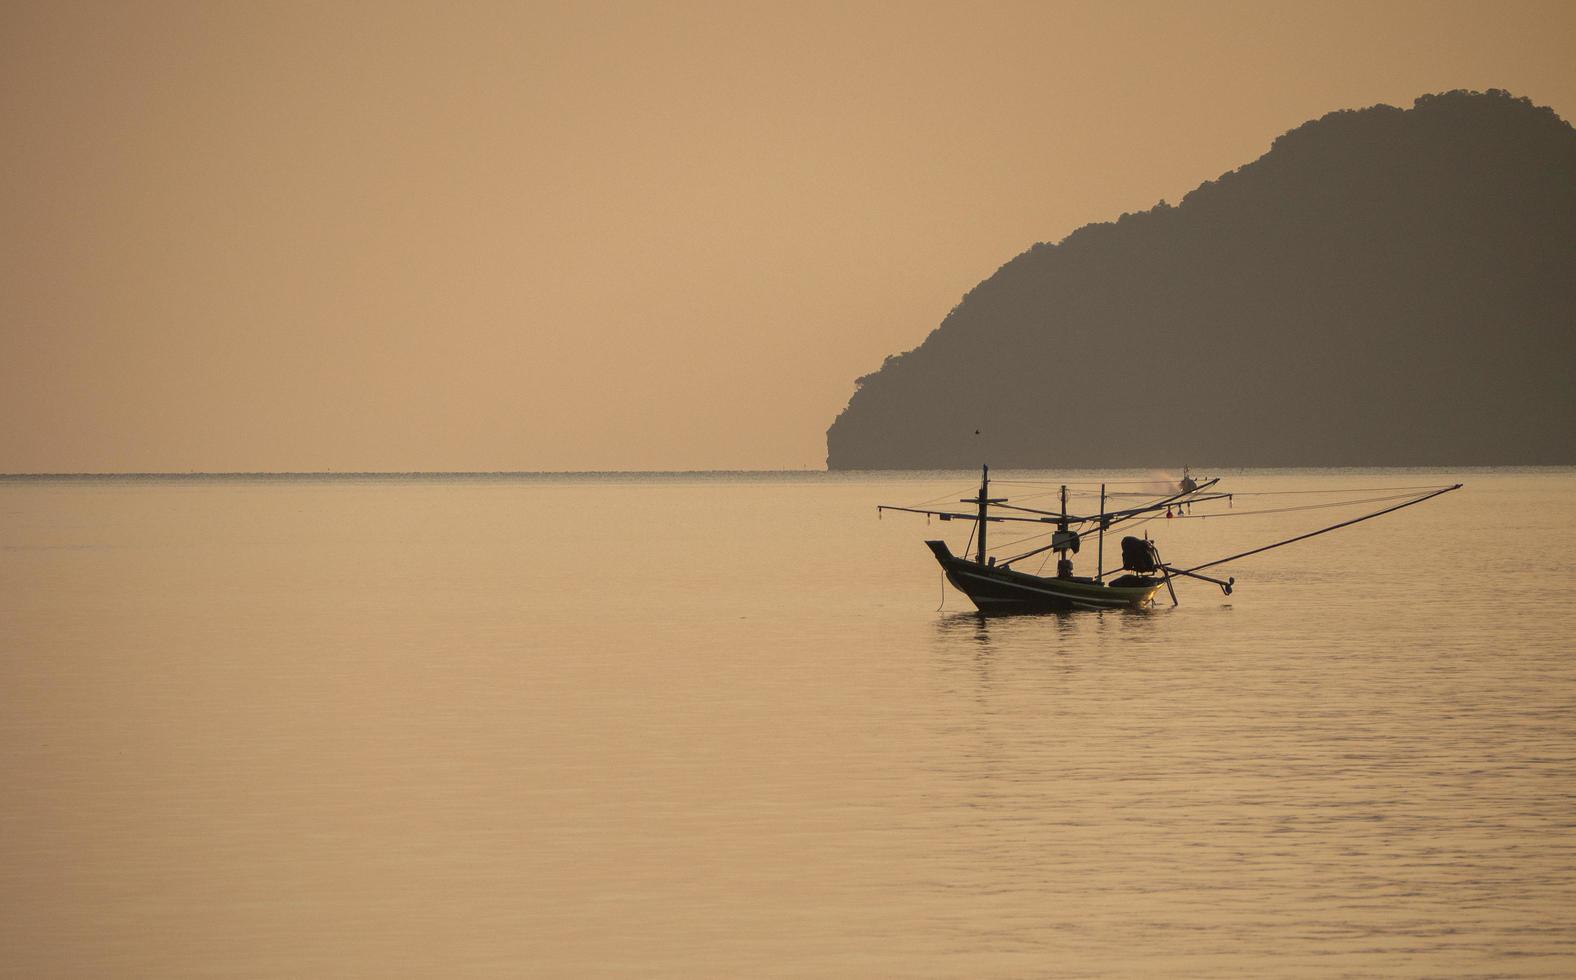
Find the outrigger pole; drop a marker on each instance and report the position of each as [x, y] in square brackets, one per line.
[1167, 571]
[1314, 534]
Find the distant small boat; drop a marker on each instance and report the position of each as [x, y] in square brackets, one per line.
[993, 585]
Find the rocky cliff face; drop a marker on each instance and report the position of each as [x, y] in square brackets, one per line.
[1383, 287]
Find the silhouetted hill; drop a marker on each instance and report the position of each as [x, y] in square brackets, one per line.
[1383, 287]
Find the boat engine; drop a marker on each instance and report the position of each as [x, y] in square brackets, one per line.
[1139, 555]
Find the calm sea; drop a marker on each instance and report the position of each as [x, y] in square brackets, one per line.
[715, 725]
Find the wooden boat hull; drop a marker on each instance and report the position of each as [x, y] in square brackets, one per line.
[997, 590]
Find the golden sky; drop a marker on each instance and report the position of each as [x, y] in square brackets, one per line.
[530, 236]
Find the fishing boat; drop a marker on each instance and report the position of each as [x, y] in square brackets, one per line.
[994, 586]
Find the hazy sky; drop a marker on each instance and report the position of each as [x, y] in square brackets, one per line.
[530, 236]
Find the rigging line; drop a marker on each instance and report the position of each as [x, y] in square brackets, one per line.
[1189, 497]
[1028, 537]
[1082, 483]
[1323, 530]
[1140, 523]
[1003, 545]
[1007, 562]
[1274, 493]
[1091, 494]
[1128, 523]
[945, 496]
[1074, 491]
[1279, 493]
[1288, 510]
[1192, 496]
[1045, 493]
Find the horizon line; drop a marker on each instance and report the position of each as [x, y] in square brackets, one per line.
[347, 474]
[340, 473]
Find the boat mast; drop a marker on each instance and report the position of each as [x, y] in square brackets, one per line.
[1064, 565]
[1099, 570]
[984, 501]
